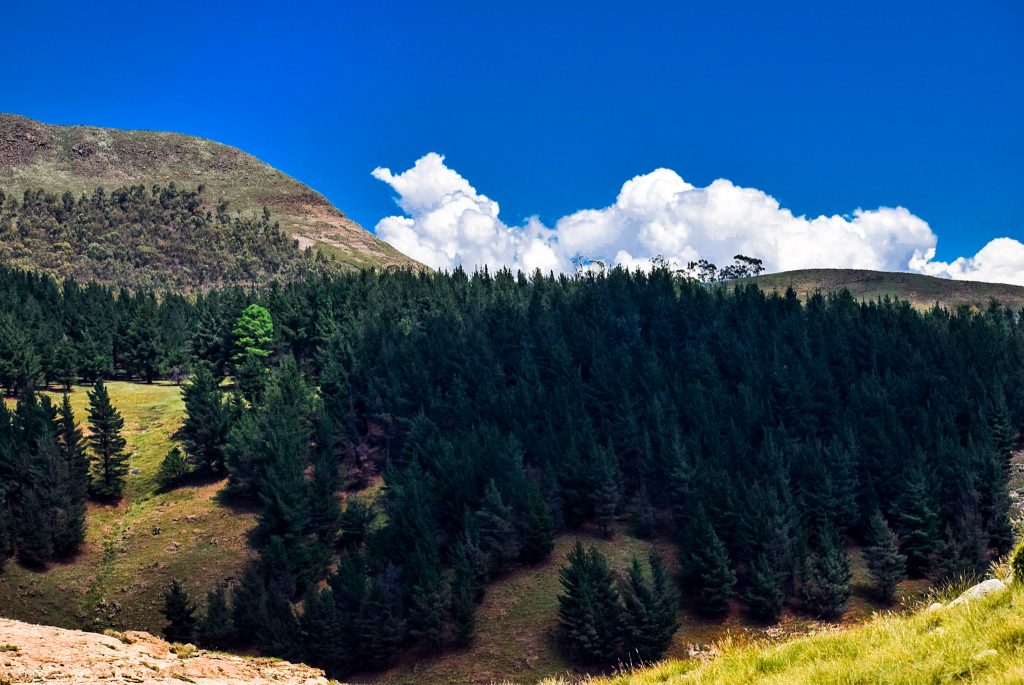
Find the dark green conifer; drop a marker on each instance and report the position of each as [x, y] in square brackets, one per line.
[649, 610]
[172, 469]
[207, 421]
[885, 563]
[380, 627]
[916, 519]
[215, 629]
[180, 614]
[762, 594]
[109, 460]
[429, 595]
[708, 579]
[498, 536]
[825, 582]
[606, 488]
[73, 485]
[321, 632]
[538, 530]
[589, 611]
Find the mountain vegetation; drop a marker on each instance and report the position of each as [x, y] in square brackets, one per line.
[156, 237]
[81, 159]
[493, 410]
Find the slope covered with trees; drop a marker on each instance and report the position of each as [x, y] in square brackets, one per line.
[155, 236]
[80, 159]
[760, 433]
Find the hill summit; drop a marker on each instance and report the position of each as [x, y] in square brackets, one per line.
[78, 159]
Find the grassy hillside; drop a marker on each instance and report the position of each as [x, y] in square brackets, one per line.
[134, 549]
[921, 291]
[977, 642]
[517, 621]
[80, 158]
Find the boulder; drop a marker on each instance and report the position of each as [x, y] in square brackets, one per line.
[989, 587]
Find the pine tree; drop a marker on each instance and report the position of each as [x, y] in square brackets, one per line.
[606, 488]
[207, 421]
[354, 522]
[538, 530]
[215, 629]
[643, 518]
[248, 602]
[321, 632]
[882, 555]
[649, 610]
[428, 600]
[498, 537]
[465, 590]
[179, 613]
[826, 577]
[916, 519]
[34, 530]
[762, 593]
[380, 626]
[708, 579]
[109, 460]
[6, 529]
[74, 482]
[589, 611]
[324, 509]
[64, 365]
[172, 469]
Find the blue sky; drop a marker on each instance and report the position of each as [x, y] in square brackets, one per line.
[550, 107]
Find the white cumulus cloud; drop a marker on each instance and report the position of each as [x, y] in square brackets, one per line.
[448, 223]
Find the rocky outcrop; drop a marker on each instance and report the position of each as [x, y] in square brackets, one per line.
[32, 654]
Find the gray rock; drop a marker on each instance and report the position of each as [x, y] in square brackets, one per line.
[991, 586]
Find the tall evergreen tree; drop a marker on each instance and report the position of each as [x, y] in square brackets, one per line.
[215, 628]
[498, 536]
[74, 484]
[649, 610]
[589, 611]
[606, 488]
[707, 576]
[179, 612]
[826, 577]
[207, 421]
[762, 593]
[538, 529]
[882, 555]
[109, 460]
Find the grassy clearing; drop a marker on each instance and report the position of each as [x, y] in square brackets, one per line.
[134, 549]
[979, 642]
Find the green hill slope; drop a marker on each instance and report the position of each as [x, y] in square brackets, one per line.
[921, 291]
[981, 641]
[81, 158]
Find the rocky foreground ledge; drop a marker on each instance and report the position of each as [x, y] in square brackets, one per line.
[41, 654]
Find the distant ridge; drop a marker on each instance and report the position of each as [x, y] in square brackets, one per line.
[81, 158]
[921, 291]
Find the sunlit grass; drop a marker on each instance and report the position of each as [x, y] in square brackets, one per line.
[979, 642]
